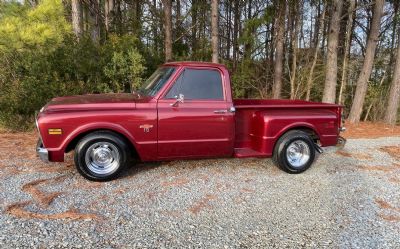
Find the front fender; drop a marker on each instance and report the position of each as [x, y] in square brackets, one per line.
[97, 126]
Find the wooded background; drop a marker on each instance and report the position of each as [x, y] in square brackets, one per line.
[322, 50]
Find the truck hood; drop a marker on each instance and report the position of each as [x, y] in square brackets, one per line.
[90, 102]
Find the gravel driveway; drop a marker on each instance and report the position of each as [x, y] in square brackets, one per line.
[349, 198]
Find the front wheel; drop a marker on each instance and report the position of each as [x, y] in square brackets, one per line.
[294, 152]
[101, 156]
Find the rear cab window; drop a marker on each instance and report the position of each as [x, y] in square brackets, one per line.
[198, 84]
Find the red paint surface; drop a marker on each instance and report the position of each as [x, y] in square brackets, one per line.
[190, 130]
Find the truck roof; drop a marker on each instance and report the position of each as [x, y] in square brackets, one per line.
[194, 63]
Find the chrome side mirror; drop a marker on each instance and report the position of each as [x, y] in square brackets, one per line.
[179, 99]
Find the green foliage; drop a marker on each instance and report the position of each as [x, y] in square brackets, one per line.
[41, 59]
[125, 69]
[253, 24]
[22, 28]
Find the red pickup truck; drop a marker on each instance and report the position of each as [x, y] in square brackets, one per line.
[184, 110]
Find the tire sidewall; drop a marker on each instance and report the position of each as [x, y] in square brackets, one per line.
[90, 139]
[282, 150]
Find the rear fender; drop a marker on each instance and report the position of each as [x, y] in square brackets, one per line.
[298, 126]
[267, 129]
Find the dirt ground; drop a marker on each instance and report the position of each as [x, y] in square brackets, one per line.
[370, 130]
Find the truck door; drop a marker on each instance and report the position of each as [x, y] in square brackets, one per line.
[194, 118]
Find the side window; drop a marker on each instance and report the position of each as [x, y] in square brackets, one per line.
[198, 84]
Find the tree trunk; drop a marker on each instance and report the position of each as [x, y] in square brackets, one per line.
[349, 29]
[394, 95]
[193, 13]
[108, 8]
[77, 17]
[248, 45]
[178, 23]
[118, 17]
[320, 30]
[295, 33]
[331, 61]
[278, 64]
[315, 38]
[168, 29]
[136, 16]
[362, 82]
[396, 6]
[94, 20]
[236, 23]
[214, 30]
[228, 8]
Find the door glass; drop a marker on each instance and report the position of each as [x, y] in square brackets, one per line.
[198, 84]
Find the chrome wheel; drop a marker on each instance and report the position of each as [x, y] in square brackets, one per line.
[298, 153]
[102, 158]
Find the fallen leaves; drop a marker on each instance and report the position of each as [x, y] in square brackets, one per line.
[41, 197]
[360, 156]
[18, 210]
[376, 168]
[175, 182]
[44, 199]
[386, 206]
[202, 203]
[370, 130]
[393, 151]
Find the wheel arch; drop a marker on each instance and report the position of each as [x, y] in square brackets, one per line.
[75, 137]
[307, 128]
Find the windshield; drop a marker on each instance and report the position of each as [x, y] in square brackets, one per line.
[156, 81]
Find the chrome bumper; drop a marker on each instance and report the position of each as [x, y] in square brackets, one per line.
[43, 153]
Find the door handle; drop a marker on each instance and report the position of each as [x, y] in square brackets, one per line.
[220, 111]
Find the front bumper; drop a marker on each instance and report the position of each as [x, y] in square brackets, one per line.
[42, 152]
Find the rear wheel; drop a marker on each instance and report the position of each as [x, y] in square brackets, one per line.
[101, 156]
[294, 152]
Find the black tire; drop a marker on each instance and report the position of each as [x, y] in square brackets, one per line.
[111, 145]
[292, 138]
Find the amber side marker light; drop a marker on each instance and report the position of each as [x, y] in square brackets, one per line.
[55, 131]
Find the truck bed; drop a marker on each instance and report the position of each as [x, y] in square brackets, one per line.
[259, 123]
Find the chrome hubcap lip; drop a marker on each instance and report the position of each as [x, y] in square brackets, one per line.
[102, 158]
[298, 153]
